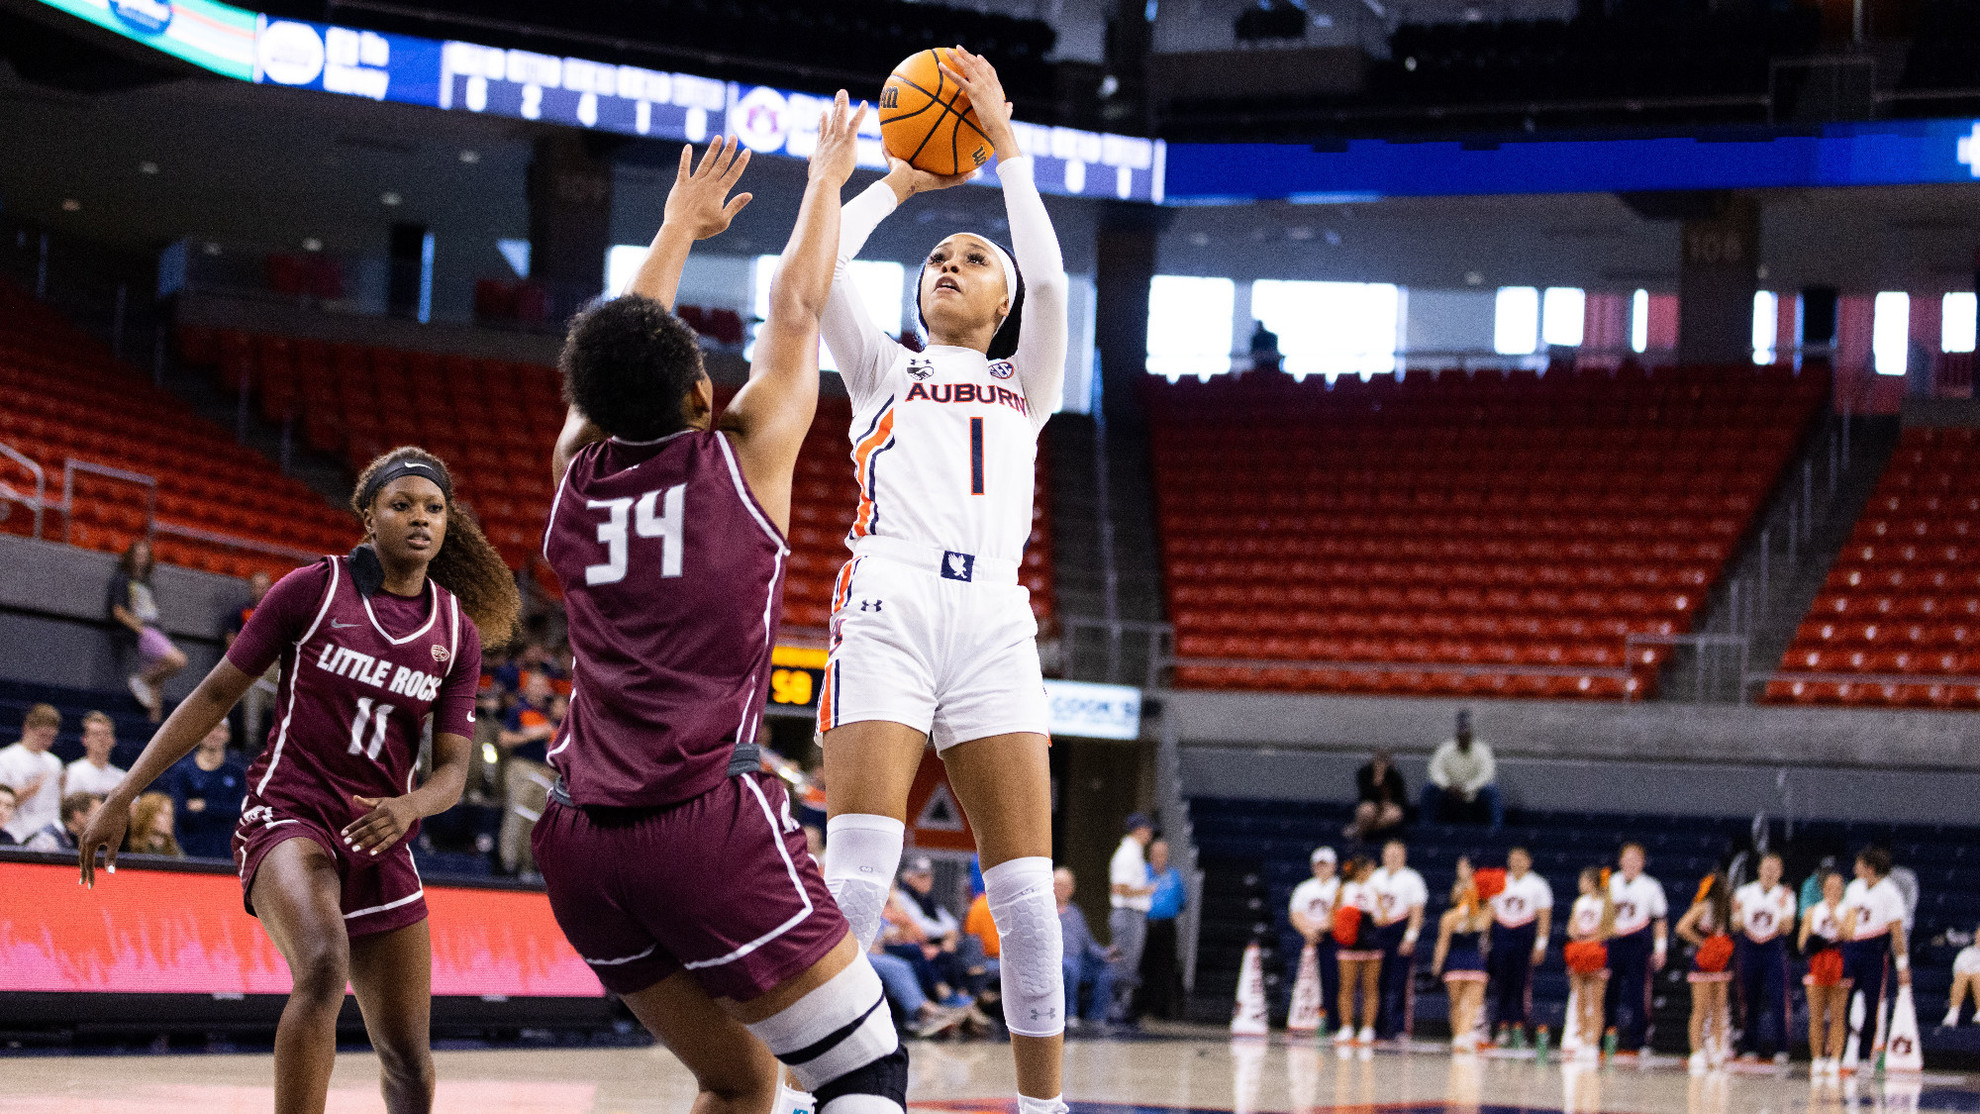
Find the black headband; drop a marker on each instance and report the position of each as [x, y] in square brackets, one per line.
[405, 467]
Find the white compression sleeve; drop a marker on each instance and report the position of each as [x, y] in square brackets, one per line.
[1027, 916]
[833, 1031]
[862, 851]
[862, 351]
[1042, 337]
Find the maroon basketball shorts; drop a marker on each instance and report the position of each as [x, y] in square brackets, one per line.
[720, 886]
[381, 893]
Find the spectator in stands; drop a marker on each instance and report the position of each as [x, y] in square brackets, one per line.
[535, 658]
[1381, 799]
[134, 606]
[1636, 948]
[1400, 897]
[929, 935]
[150, 832]
[93, 773]
[1966, 979]
[1706, 926]
[526, 773]
[1161, 976]
[7, 802]
[33, 773]
[253, 708]
[1311, 912]
[982, 949]
[1130, 892]
[1360, 952]
[77, 808]
[206, 788]
[1462, 772]
[920, 1017]
[1087, 965]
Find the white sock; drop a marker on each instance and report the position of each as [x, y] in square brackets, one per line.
[792, 1101]
[1054, 1105]
[862, 852]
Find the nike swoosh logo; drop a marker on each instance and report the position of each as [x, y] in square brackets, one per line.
[335, 625]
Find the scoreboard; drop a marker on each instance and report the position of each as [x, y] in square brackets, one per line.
[797, 674]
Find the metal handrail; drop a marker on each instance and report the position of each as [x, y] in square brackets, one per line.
[1466, 669]
[179, 530]
[71, 466]
[40, 497]
[1160, 636]
[1764, 676]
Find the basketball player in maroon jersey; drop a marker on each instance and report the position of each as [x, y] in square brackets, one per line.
[370, 646]
[672, 861]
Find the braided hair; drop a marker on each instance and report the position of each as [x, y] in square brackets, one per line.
[467, 564]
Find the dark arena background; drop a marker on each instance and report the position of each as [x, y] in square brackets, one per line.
[1490, 426]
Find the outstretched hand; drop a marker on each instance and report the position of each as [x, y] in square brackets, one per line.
[700, 203]
[985, 91]
[838, 141]
[105, 833]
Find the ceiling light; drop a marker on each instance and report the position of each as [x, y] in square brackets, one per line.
[70, 205]
[390, 197]
[470, 157]
[147, 168]
[211, 248]
[312, 244]
[1473, 278]
[1200, 239]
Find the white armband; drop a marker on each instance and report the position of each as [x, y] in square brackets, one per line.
[1903, 963]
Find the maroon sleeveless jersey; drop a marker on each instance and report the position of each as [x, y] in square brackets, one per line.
[353, 700]
[673, 584]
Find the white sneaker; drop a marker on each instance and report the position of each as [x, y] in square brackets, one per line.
[1344, 1036]
[1696, 1064]
[140, 688]
[1367, 1035]
[1952, 1019]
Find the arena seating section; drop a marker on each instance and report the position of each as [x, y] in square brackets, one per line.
[1526, 522]
[1254, 852]
[63, 395]
[1901, 605]
[494, 423]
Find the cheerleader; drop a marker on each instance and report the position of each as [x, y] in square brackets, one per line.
[1762, 913]
[1522, 917]
[1704, 926]
[1591, 922]
[1966, 978]
[1826, 983]
[1360, 954]
[1874, 912]
[1460, 958]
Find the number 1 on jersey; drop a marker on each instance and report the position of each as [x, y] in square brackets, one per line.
[976, 456]
[377, 720]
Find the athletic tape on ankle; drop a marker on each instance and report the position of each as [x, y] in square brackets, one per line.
[1033, 949]
[862, 852]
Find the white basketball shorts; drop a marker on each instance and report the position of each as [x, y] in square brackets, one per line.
[942, 642]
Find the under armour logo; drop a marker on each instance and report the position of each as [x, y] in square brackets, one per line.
[958, 566]
[920, 369]
[869, 605]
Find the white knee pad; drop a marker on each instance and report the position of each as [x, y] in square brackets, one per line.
[1027, 916]
[833, 1031]
[862, 852]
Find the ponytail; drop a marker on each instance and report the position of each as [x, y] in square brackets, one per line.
[467, 564]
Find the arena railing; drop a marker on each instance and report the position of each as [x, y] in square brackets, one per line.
[71, 467]
[153, 525]
[1155, 641]
[9, 494]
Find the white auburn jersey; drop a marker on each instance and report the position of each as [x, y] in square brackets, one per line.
[944, 441]
[1314, 899]
[1520, 902]
[1825, 923]
[1763, 914]
[1638, 902]
[1585, 919]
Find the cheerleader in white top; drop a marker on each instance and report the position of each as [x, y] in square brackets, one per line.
[1966, 979]
[1874, 912]
[1704, 927]
[1762, 916]
[1827, 985]
[1591, 921]
[1636, 950]
[1360, 954]
[932, 634]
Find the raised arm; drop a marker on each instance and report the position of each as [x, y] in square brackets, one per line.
[769, 417]
[698, 206]
[1041, 350]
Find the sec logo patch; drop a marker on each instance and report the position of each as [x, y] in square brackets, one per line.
[1002, 369]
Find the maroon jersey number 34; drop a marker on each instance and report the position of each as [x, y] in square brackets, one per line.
[350, 714]
[673, 584]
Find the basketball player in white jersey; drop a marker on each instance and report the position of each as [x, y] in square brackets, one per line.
[932, 635]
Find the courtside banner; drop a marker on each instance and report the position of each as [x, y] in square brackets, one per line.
[1091, 711]
[212, 36]
[167, 931]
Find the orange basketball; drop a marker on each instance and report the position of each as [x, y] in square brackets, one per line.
[926, 120]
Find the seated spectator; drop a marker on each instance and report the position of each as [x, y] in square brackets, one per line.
[919, 1016]
[33, 773]
[1088, 966]
[77, 808]
[206, 787]
[930, 935]
[526, 775]
[1381, 799]
[93, 773]
[150, 832]
[134, 607]
[1462, 773]
[7, 801]
[535, 658]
